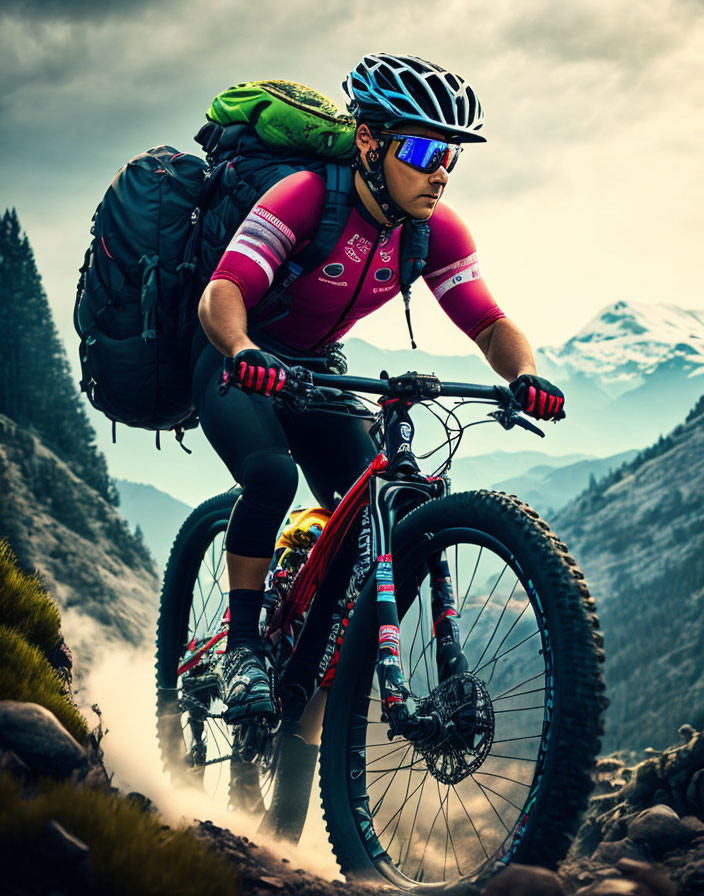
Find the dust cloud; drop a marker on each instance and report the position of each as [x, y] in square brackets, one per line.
[122, 683]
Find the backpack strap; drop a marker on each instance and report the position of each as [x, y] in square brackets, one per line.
[415, 236]
[339, 180]
[276, 303]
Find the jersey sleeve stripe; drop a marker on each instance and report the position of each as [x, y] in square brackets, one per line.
[489, 318]
[224, 274]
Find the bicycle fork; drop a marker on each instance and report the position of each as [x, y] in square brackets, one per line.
[388, 498]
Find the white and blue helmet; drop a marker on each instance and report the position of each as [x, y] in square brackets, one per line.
[386, 88]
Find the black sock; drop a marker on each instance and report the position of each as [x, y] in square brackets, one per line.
[245, 609]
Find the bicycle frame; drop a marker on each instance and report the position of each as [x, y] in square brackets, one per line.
[391, 485]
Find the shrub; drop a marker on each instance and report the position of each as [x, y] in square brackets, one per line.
[27, 675]
[24, 604]
[131, 850]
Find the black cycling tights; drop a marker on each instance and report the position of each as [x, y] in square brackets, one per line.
[261, 447]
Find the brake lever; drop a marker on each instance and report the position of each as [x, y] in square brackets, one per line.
[526, 424]
[509, 415]
[297, 391]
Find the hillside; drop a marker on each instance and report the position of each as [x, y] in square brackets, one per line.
[639, 536]
[548, 488]
[101, 576]
[158, 515]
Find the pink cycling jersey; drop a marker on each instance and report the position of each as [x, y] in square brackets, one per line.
[365, 260]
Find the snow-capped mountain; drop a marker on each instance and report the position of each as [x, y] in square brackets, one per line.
[626, 343]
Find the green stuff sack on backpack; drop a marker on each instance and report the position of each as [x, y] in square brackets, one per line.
[288, 115]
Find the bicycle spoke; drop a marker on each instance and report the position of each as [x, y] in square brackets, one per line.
[484, 787]
[483, 792]
[471, 581]
[399, 812]
[495, 659]
[395, 750]
[448, 832]
[525, 737]
[512, 780]
[498, 622]
[415, 818]
[514, 624]
[491, 594]
[391, 781]
[519, 694]
[469, 818]
[515, 758]
[425, 848]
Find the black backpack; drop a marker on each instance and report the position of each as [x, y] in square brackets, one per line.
[132, 301]
[158, 234]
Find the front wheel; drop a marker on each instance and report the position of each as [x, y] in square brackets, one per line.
[420, 815]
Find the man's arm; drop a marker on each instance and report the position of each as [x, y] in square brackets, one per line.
[224, 317]
[508, 352]
[506, 349]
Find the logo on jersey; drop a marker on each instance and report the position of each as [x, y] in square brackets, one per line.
[463, 271]
[335, 269]
[357, 246]
[332, 282]
[383, 274]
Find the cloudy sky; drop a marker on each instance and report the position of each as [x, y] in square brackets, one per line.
[588, 191]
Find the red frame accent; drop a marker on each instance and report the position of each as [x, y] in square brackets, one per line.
[311, 574]
[196, 658]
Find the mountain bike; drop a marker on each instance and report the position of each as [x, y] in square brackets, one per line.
[424, 779]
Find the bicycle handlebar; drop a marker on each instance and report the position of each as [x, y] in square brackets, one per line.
[384, 386]
[415, 386]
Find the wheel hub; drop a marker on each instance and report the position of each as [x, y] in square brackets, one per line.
[466, 731]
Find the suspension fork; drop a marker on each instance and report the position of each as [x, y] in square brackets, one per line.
[389, 499]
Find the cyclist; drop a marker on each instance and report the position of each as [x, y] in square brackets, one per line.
[412, 117]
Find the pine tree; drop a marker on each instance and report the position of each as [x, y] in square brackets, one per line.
[36, 385]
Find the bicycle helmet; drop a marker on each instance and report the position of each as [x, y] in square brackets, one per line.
[384, 90]
[387, 89]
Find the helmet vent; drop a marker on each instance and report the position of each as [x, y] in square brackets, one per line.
[404, 106]
[441, 95]
[384, 81]
[417, 66]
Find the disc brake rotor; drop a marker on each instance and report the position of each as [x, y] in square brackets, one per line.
[464, 708]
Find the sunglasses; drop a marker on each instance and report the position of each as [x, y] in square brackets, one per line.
[426, 154]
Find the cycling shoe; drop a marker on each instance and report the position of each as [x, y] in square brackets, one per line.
[246, 688]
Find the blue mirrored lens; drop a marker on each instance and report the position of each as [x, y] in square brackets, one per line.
[427, 154]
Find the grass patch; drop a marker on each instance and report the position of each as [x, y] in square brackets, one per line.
[27, 675]
[130, 850]
[25, 605]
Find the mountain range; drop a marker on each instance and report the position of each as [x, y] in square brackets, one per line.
[629, 375]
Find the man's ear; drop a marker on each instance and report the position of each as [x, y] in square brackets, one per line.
[365, 143]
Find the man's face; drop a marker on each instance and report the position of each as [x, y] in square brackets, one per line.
[415, 191]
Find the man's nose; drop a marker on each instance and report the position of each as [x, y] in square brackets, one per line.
[439, 177]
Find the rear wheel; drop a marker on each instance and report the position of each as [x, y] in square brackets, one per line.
[196, 744]
[420, 817]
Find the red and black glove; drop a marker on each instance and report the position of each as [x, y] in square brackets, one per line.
[256, 371]
[538, 397]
